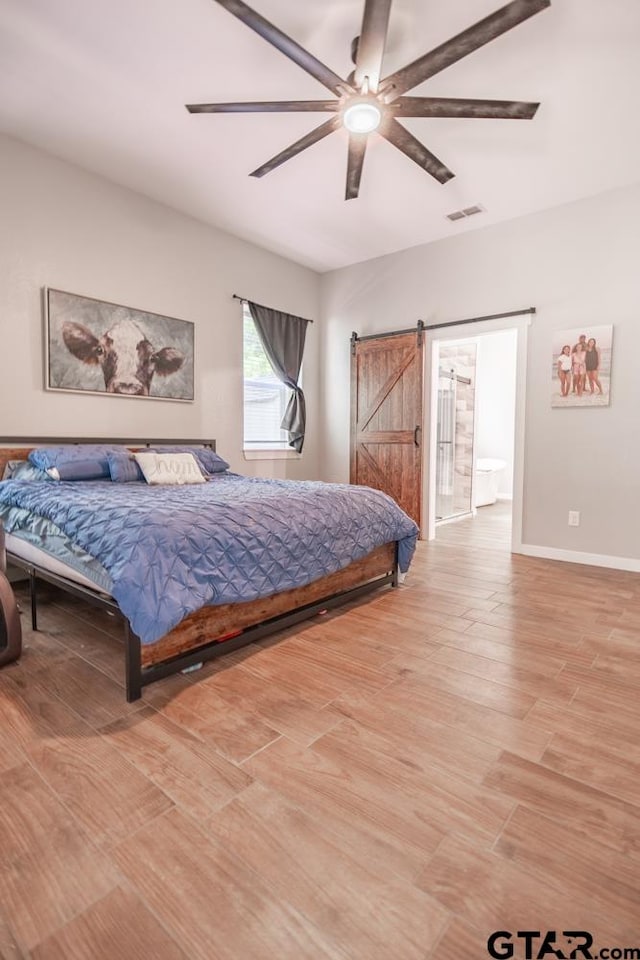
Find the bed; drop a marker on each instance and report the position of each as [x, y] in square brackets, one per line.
[198, 571]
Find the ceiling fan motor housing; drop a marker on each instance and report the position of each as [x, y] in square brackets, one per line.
[362, 114]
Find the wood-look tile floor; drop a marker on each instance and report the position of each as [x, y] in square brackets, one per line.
[390, 782]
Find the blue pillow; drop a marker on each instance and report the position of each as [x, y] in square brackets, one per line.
[23, 470]
[47, 457]
[123, 468]
[210, 462]
[81, 470]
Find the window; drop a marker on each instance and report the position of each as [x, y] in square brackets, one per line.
[265, 397]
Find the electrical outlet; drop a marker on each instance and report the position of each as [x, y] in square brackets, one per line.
[574, 518]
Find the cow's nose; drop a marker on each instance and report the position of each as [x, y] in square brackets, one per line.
[132, 389]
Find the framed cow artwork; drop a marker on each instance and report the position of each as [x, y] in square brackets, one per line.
[92, 346]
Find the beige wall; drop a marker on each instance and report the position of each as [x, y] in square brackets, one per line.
[65, 228]
[578, 264]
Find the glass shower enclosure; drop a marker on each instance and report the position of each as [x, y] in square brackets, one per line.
[455, 427]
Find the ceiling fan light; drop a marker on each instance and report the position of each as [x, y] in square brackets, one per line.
[362, 117]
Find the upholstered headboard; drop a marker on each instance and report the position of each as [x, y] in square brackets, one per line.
[17, 448]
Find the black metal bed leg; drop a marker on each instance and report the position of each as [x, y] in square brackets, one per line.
[133, 664]
[34, 599]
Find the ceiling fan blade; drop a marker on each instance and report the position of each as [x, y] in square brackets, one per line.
[400, 137]
[461, 45]
[267, 106]
[307, 141]
[446, 107]
[357, 148]
[285, 45]
[371, 43]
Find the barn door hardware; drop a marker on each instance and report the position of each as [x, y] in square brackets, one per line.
[421, 326]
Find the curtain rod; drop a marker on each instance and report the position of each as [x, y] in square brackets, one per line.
[235, 296]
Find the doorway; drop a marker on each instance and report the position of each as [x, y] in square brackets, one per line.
[474, 430]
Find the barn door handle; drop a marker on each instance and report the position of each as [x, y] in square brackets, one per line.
[415, 435]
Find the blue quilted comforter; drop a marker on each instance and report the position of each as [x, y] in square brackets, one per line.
[171, 550]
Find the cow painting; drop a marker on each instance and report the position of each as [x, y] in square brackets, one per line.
[100, 347]
[127, 358]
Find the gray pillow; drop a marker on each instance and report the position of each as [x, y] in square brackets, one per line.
[47, 457]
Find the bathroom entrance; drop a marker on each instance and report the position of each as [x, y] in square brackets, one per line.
[473, 447]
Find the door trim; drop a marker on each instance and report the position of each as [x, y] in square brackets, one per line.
[521, 324]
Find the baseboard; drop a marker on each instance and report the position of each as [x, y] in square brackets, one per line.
[575, 556]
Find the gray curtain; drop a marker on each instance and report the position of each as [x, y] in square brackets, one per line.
[282, 336]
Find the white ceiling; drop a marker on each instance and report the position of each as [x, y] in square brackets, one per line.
[103, 84]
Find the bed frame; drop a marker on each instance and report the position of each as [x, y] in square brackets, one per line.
[210, 631]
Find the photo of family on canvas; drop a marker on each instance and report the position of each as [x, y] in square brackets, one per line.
[581, 375]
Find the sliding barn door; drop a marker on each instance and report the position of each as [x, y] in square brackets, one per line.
[386, 417]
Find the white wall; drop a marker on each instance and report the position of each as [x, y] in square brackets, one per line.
[65, 228]
[578, 264]
[496, 403]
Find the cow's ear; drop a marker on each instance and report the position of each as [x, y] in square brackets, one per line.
[80, 342]
[167, 361]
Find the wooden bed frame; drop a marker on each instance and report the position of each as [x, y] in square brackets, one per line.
[213, 630]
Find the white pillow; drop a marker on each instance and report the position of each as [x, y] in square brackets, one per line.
[169, 468]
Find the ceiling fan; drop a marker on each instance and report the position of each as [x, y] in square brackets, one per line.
[365, 102]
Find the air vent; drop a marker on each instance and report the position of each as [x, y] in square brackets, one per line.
[467, 212]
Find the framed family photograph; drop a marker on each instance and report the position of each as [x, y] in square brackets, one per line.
[93, 346]
[581, 367]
